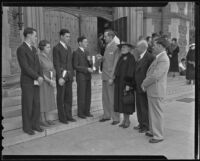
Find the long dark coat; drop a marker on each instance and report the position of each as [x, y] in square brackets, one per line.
[190, 70]
[174, 60]
[124, 75]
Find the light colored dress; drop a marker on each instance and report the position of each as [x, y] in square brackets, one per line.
[47, 96]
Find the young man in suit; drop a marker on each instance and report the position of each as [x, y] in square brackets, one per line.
[108, 87]
[155, 85]
[83, 65]
[62, 60]
[31, 79]
[144, 61]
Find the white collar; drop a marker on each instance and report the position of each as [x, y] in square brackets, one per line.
[63, 44]
[82, 49]
[142, 55]
[29, 45]
[160, 54]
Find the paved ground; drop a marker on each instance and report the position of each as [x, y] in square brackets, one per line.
[105, 139]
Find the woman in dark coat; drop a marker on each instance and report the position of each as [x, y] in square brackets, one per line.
[174, 57]
[124, 81]
[190, 64]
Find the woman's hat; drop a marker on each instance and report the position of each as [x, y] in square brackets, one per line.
[125, 43]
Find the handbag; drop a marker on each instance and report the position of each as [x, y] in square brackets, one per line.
[128, 97]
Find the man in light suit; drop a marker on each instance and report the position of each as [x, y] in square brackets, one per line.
[155, 85]
[83, 67]
[107, 82]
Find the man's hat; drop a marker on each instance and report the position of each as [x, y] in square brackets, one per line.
[165, 43]
[125, 43]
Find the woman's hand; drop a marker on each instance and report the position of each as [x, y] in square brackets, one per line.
[127, 88]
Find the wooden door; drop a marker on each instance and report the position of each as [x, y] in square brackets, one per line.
[56, 20]
[120, 27]
[89, 29]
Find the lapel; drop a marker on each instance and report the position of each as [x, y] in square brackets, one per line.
[29, 51]
[141, 62]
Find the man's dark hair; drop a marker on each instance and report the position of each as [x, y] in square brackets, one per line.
[110, 33]
[81, 38]
[174, 39]
[147, 38]
[28, 30]
[42, 44]
[154, 35]
[63, 32]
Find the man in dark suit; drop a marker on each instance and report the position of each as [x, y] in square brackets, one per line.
[144, 61]
[82, 65]
[62, 60]
[31, 78]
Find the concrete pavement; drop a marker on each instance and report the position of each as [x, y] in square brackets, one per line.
[105, 139]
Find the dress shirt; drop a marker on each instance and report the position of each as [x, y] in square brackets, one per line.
[82, 49]
[142, 55]
[63, 44]
[29, 45]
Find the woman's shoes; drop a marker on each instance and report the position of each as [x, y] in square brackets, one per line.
[126, 125]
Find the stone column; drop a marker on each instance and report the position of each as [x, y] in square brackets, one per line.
[6, 51]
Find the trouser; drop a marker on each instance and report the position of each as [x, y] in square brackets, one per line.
[64, 101]
[156, 117]
[30, 107]
[83, 97]
[142, 109]
[108, 101]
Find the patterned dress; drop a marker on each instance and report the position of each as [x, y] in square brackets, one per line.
[47, 96]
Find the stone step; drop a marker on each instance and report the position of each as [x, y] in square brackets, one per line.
[11, 92]
[12, 111]
[180, 89]
[16, 122]
[11, 101]
[18, 136]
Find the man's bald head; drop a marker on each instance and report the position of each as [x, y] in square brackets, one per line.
[142, 46]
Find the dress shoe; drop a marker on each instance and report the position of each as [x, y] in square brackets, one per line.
[155, 140]
[90, 115]
[50, 122]
[72, 120]
[115, 123]
[148, 134]
[45, 124]
[121, 125]
[103, 120]
[38, 129]
[143, 130]
[82, 116]
[64, 122]
[137, 127]
[30, 132]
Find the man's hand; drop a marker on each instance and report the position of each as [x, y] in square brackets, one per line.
[127, 88]
[40, 80]
[90, 70]
[99, 57]
[143, 88]
[61, 81]
[53, 83]
[110, 81]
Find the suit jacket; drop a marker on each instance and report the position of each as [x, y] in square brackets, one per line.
[29, 64]
[81, 64]
[62, 60]
[156, 79]
[141, 70]
[110, 55]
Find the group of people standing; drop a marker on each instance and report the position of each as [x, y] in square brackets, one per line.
[133, 69]
[40, 75]
[125, 69]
